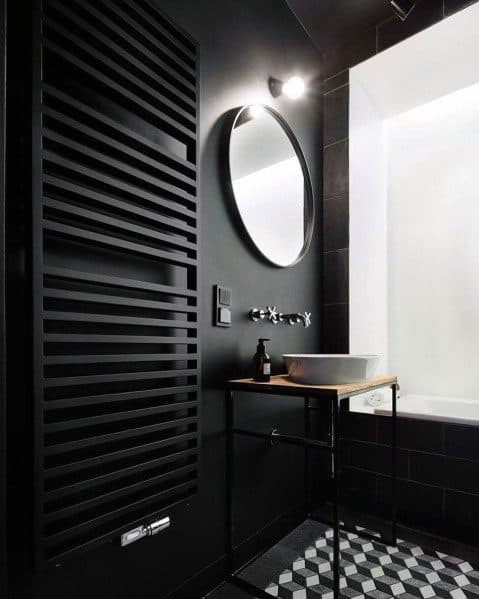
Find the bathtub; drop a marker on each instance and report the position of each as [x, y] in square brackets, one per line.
[426, 407]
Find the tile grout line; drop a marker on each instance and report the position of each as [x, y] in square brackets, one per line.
[335, 89]
[335, 143]
[343, 249]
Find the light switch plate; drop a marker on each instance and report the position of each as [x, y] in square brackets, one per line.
[222, 306]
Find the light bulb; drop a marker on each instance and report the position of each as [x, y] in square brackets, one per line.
[256, 110]
[294, 88]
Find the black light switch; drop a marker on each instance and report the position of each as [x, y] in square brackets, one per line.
[222, 307]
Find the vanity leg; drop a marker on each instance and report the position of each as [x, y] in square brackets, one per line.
[307, 434]
[229, 480]
[335, 477]
[394, 465]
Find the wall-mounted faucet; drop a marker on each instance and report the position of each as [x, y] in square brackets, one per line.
[271, 313]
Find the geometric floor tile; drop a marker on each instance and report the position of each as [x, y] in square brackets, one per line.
[373, 570]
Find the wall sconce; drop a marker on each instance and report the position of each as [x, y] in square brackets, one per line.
[294, 87]
[402, 8]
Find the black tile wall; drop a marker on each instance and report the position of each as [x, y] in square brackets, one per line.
[361, 489]
[336, 169]
[361, 427]
[335, 81]
[377, 458]
[336, 223]
[425, 14]
[445, 471]
[434, 485]
[336, 114]
[461, 512]
[419, 506]
[461, 441]
[335, 328]
[349, 51]
[422, 435]
[336, 276]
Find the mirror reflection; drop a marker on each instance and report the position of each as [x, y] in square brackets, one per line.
[270, 184]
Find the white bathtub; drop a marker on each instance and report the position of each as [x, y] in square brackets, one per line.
[445, 409]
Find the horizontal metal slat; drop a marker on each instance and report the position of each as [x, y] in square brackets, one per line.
[78, 338]
[116, 243]
[186, 133]
[183, 88]
[105, 478]
[96, 522]
[187, 170]
[97, 218]
[60, 186]
[90, 442]
[108, 280]
[88, 400]
[91, 379]
[117, 186]
[115, 358]
[112, 319]
[103, 459]
[114, 300]
[100, 499]
[125, 56]
[130, 153]
[120, 166]
[118, 416]
[155, 39]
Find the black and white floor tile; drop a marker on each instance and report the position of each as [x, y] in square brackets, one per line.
[373, 570]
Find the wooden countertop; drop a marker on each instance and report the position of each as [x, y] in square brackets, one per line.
[282, 385]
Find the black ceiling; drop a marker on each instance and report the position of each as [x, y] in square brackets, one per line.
[325, 20]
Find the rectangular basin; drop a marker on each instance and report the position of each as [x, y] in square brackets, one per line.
[330, 369]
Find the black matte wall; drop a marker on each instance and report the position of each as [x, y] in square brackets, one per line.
[241, 45]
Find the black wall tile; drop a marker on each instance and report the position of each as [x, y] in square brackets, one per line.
[422, 435]
[336, 114]
[336, 277]
[349, 51]
[377, 458]
[336, 223]
[461, 441]
[336, 170]
[335, 81]
[451, 473]
[360, 490]
[461, 516]
[427, 468]
[452, 6]
[425, 14]
[361, 427]
[419, 506]
[335, 338]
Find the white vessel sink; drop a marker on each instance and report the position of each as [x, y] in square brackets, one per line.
[330, 369]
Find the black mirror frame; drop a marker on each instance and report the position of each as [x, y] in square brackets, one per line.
[308, 188]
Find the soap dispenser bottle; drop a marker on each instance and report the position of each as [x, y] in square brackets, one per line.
[262, 363]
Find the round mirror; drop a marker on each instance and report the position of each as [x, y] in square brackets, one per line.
[271, 185]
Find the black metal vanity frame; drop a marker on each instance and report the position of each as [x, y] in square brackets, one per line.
[338, 399]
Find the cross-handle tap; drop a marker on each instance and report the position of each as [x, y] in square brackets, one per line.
[271, 313]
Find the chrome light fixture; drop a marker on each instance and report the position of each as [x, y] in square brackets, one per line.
[402, 8]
